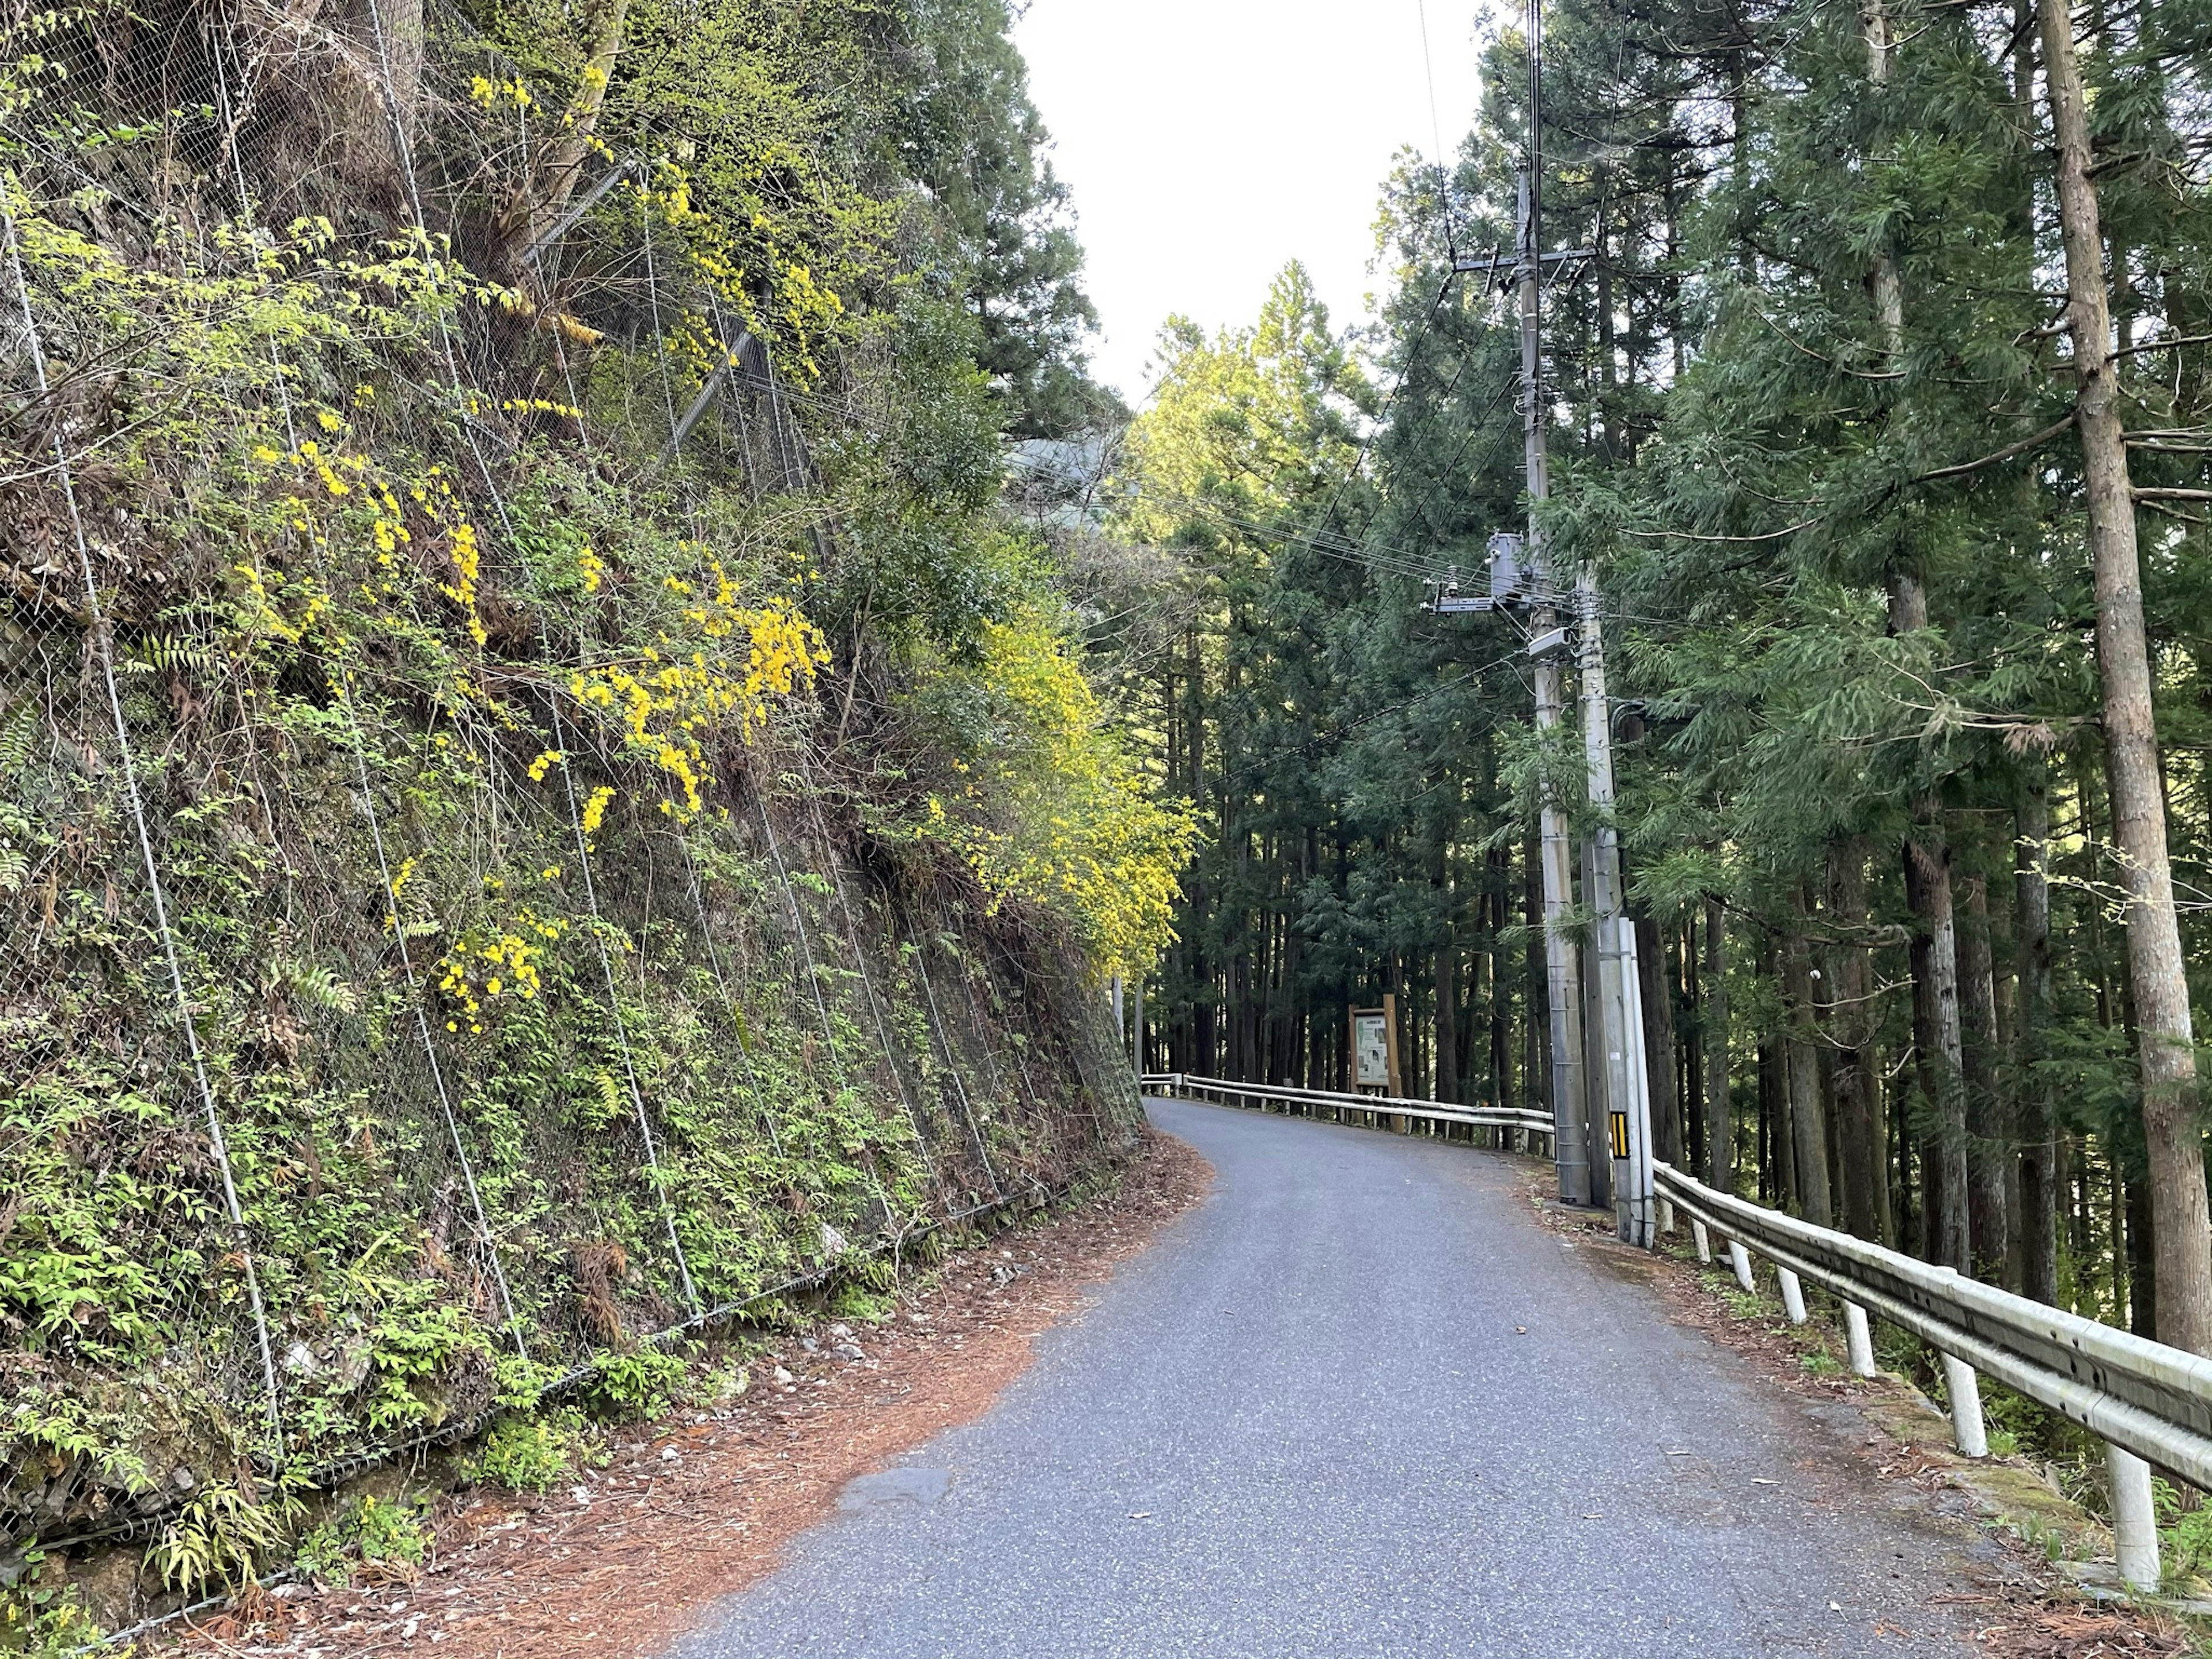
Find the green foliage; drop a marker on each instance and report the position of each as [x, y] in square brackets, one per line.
[531, 1453]
[41, 1621]
[369, 1533]
[1746, 1304]
[513, 885]
[1049, 806]
[863, 1304]
[975, 142]
[225, 1534]
[2185, 1531]
[633, 1385]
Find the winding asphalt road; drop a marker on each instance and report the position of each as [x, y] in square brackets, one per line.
[1360, 1403]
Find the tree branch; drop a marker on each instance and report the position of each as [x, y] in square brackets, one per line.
[2032, 441]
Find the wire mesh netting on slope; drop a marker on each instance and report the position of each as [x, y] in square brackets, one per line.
[451, 928]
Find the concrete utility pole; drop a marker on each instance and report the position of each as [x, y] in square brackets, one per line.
[1519, 569]
[1620, 988]
[1569, 1085]
[1621, 1172]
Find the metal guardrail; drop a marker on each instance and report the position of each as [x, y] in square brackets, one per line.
[2151, 1404]
[1313, 1102]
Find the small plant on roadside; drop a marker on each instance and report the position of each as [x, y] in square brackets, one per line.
[228, 1534]
[531, 1454]
[721, 1385]
[374, 1539]
[633, 1385]
[43, 1618]
[2185, 1531]
[862, 1303]
[1744, 1305]
[1820, 1363]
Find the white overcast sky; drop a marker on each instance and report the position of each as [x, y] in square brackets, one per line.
[1208, 142]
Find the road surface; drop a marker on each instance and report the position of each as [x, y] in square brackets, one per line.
[1362, 1403]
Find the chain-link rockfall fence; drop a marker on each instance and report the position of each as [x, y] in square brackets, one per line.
[449, 934]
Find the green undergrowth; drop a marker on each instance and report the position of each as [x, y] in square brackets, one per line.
[564, 959]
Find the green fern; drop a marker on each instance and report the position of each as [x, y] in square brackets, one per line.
[18, 736]
[307, 985]
[171, 653]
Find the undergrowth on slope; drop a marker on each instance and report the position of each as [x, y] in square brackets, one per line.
[576, 933]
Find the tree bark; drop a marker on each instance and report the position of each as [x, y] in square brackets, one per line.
[2039, 1238]
[374, 106]
[1987, 1136]
[1808, 1109]
[2181, 1236]
[1944, 1236]
[1659, 1040]
[546, 197]
[1720, 1124]
[1850, 968]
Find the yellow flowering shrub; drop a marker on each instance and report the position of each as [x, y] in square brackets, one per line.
[485, 964]
[1050, 808]
[730, 664]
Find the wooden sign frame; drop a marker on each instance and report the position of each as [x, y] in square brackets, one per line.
[1395, 1084]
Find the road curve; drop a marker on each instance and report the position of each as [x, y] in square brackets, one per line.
[1308, 1422]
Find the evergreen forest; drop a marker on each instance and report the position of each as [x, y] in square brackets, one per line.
[1914, 849]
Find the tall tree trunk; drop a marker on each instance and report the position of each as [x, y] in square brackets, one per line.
[1692, 1088]
[1656, 984]
[546, 197]
[1720, 1122]
[2039, 1238]
[1808, 1111]
[1536, 1060]
[2141, 1257]
[1988, 1138]
[1851, 971]
[1944, 1236]
[374, 102]
[2181, 1234]
[1447, 984]
[1778, 1152]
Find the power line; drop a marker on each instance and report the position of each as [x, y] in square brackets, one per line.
[1383, 558]
[1367, 442]
[1437, 135]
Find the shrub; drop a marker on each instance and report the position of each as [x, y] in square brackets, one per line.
[633, 1385]
[228, 1535]
[373, 1538]
[531, 1453]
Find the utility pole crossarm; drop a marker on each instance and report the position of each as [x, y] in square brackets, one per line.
[1503, 261]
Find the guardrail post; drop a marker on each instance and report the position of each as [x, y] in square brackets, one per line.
[1740, 1258]
[1793, 1295]
[1705, 1242]
[1666, 1215]
[1965, 1391]
[2135, 1521]
[1858, 1339]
